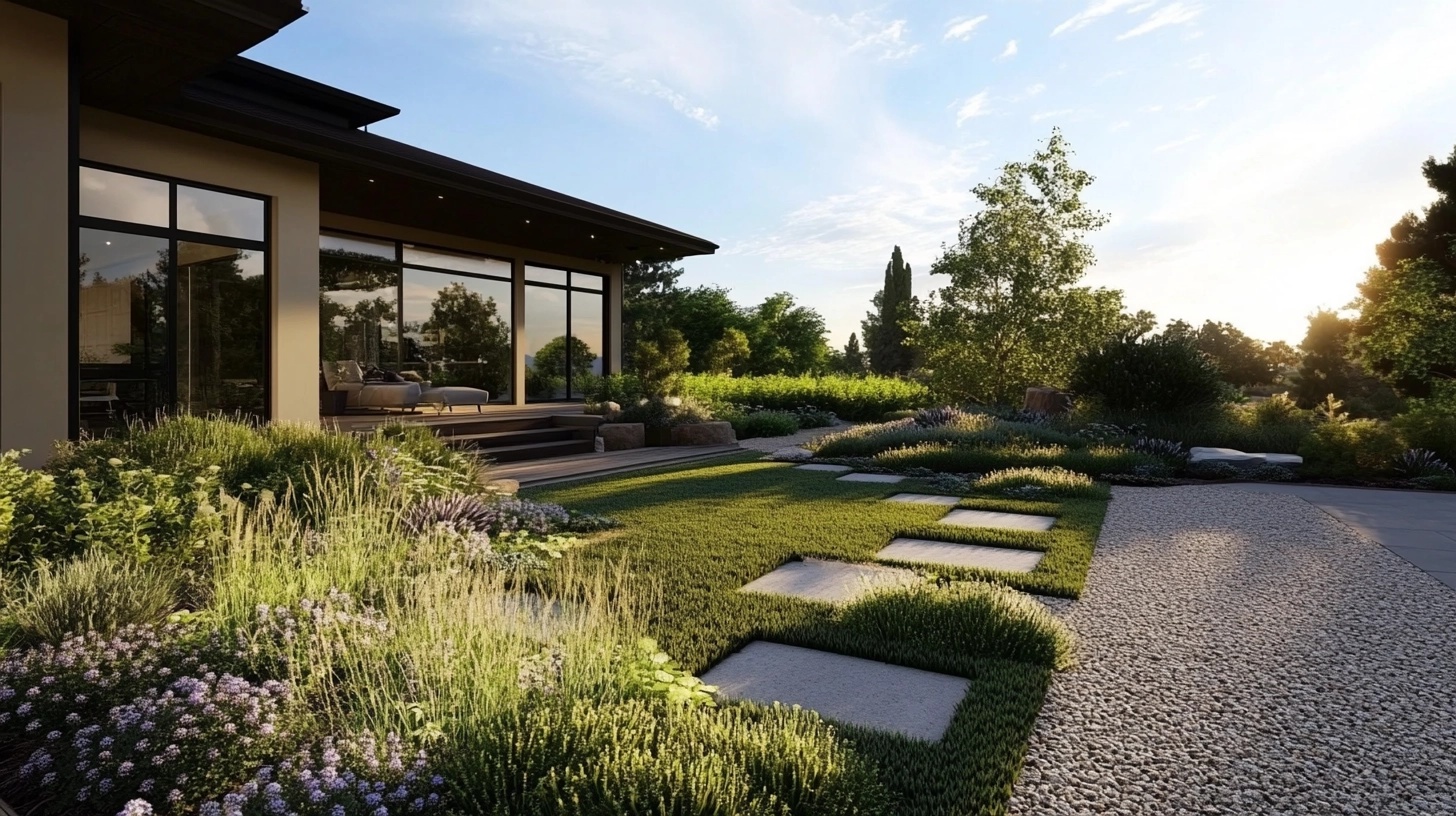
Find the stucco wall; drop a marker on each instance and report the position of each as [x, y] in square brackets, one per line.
[522, 258]
[292, 185]
[34, 230]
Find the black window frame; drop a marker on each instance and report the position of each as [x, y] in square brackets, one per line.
[173, 236]
[568, 288]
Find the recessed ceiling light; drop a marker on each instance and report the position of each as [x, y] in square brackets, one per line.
[371, 181]
[593, 237]
[442, 198]
[528, 220]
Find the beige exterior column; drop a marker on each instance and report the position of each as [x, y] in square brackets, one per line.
[613, 359]
[518, 331]
[293, 262]
[35, 269]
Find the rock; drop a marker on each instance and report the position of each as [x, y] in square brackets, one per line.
[506, 486]
[617, 436]
[1048, 401]
[704, 433]
[1241, 460]
[791, 455]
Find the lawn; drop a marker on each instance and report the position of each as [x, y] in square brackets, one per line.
[702, 531]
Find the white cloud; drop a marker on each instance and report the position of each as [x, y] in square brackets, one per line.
[1197, 104]
[978, 105]
[1171, 14]
[1009, 51]
[961, 28]
[886, 39]
[1032, 90]
[1096, 10]
[1176, 143]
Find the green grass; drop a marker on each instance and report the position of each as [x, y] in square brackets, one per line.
[702, 531]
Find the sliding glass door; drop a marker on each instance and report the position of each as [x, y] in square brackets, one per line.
[171, 300]
[565, 334]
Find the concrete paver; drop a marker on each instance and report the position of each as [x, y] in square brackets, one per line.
[916, 703]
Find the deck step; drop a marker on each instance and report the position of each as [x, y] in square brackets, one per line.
[496, 439]
[538, 450]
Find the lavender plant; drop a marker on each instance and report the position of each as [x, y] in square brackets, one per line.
[337, 776]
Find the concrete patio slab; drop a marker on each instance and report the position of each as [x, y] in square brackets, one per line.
[945, 553]
[826, 468]
[1001, 521]
[882, 478]
[815, 579]
[923, 498]
[915, 703]
[1418, 526]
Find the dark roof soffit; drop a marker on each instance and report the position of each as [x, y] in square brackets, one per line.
[306, 137]
[264, 84]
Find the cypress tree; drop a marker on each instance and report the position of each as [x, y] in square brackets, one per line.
[883, 332]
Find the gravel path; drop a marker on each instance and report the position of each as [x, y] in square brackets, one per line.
[773, 443]
[1244, 653]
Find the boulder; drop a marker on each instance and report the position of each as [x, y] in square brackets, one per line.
[704, 433]
[1242, 460]
[617, 436]
[504, 486]
[1048, 401]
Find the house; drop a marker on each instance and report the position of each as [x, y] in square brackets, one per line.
[182, 228]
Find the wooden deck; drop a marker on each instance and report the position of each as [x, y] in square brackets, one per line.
[587, 465]
[369, 420]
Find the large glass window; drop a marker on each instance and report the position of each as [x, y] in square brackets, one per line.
[165, 321]
[400, 307]
[565, 333]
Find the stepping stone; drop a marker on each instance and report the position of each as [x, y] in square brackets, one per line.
[815, 579]
[912, 702]
[825, 468]
[1002, 521]
[945, 553]
[922, 498]
[885, 478]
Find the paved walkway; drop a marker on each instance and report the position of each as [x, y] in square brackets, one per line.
[1243, 652]
[1419, 527]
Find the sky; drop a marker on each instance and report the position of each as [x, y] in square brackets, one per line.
[1250, 153]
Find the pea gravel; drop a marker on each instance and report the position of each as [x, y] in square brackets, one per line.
[1244, 653]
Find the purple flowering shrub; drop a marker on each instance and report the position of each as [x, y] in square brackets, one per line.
[282, 640]
[169, 745]
[347, 776]
[466, 513]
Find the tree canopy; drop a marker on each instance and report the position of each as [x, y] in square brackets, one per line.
[1012, 315]
[1406, 330]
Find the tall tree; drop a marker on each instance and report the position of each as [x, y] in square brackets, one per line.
[786, 338]
[650, 293]
[852, 360]
[884, 327]
[1406, 330]
[1327, 366]
[1012, 315]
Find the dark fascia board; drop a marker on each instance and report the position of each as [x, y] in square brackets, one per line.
[264, 83]
[304, 137]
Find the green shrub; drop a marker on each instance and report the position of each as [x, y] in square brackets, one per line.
[96, 592]
[1362, 448]
[1430, 424]
[115, 508]
[858, 399]
[812, 417]
[764, 423]
[891, 416]
[1149, 376]
[1418, 463]
[1241, 427]
[965, 430]
[666, 412]
[1041, 482]
[585, 758]
[968, 618]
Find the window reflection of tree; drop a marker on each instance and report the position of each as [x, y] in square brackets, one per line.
[358, 328]
[465, 340]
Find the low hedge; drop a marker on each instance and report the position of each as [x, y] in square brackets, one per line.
[858, 399]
